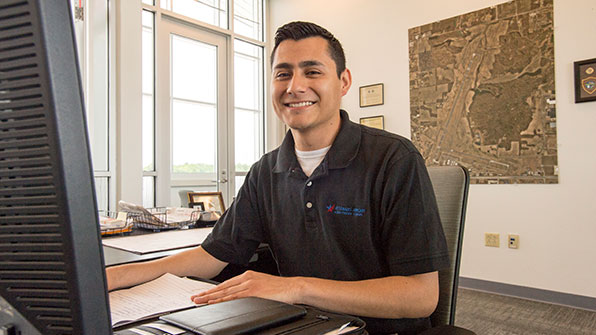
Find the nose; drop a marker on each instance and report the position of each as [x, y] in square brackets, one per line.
[296, 85]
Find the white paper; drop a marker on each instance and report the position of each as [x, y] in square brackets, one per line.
[341, 330]
[140, 331]
[148, 243]
[166, 328]
[107, 223]
[181, 214]
[164, 294]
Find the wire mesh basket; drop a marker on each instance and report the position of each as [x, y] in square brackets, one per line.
[114, 223]
[164, 218]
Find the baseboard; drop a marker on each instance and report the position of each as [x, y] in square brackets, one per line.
[552, 297]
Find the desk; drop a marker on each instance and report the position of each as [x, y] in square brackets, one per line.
[262, 260]
[113, 256]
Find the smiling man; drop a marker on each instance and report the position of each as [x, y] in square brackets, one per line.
[307, 89]
[348, 211]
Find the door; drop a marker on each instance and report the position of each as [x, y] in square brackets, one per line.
[192, 111]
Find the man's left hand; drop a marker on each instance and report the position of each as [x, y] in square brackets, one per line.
[251, 284]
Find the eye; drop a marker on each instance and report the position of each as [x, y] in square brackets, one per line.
[313, 72]
[282, 75]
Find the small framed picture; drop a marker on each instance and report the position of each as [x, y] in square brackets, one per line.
[371, 95]
[373, 121]
[585, 80]
[206, 201]
[197, 205]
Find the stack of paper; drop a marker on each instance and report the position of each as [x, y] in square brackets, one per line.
[164, 294]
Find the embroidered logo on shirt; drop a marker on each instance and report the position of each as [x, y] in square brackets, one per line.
[341, 210]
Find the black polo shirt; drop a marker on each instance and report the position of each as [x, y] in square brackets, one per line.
[367, 211]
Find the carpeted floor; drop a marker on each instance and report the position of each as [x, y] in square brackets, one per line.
[488, 314]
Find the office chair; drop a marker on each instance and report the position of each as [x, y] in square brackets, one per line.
[451, 185]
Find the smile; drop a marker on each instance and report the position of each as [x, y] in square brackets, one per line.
[300, 104]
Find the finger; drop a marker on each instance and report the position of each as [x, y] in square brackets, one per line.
[232, 296]
[219, 294]
[222, 298]
[224, 285]
[215, 292]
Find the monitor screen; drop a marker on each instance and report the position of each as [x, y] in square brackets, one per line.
[52, 278]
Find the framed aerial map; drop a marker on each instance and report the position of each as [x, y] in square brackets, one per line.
[482, 93]
[585, 80]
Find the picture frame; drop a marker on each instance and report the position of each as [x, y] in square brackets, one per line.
[197, 205]
[207, 201]
[377, 121]
[585, 80]
[372, 95]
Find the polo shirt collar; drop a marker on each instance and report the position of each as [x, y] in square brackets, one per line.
[343, 150]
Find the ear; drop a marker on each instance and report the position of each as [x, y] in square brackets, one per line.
[346, 81]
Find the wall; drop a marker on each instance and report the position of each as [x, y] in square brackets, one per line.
[556, 223]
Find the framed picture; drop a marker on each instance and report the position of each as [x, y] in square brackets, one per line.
[197, 205]
[371, 95]
[373, 121]
[207, 201]
[585, 80]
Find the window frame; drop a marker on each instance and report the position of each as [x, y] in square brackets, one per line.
[230, 36]
[94, 12]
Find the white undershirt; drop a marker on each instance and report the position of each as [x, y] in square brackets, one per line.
[309, 160]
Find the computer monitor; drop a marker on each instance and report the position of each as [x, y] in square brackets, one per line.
[52, 278]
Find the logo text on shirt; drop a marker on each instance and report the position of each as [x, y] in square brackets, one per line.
[342, 210]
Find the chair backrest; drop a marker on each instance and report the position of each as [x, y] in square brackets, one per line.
[451, 185]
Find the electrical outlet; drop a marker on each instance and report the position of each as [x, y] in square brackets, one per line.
[513, 241]
[491, 239]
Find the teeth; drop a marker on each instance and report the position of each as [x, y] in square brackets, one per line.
[301, 104]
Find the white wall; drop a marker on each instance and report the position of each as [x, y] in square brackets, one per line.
[556, 223]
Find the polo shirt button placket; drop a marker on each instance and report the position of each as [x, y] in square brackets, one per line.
[309, 212]
[310, 221]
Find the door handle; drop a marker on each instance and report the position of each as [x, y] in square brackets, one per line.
[223, 177]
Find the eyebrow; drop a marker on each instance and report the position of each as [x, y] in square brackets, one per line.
[302, 64]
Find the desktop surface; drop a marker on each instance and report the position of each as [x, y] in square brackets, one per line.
[113, 256]
[262, 260]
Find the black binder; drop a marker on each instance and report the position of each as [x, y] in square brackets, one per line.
[263, 317]
[240, 316]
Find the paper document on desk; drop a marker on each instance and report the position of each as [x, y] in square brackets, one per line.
[148, 243]
[164, 294]
[341, 330]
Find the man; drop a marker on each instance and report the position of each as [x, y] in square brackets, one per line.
[348, 211]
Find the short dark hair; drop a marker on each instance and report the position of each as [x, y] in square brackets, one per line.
[298, 30]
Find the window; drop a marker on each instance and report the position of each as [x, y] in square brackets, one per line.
[191, 148]
[194, 110]
[196, 136]
[148, 73]
[248, 88]
[248, 18]
[214, 12]
[92, 35]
